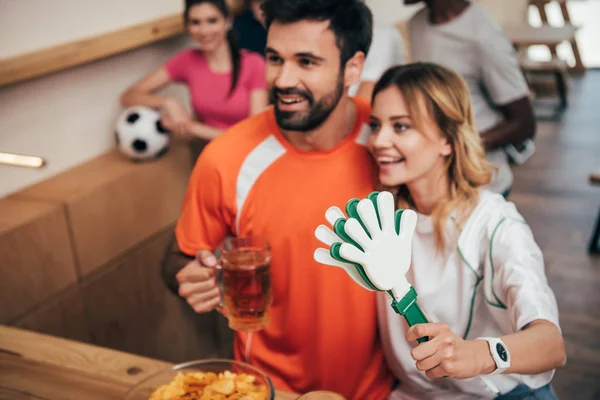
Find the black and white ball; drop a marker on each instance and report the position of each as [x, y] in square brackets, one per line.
[140, 134]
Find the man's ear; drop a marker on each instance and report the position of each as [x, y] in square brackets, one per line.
[354, 68]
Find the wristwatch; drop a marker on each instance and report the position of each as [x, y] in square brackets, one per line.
[499, 353]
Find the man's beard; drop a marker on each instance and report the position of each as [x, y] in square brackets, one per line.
[314, 116]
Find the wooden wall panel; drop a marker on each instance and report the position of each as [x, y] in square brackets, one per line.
[36, 258]
[62, 316]
[130, 309]
[114, 204]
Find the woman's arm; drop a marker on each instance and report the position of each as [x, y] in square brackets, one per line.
[175, 118]
[202, 131]
[538, 348]
[142, 92]
[259, 100]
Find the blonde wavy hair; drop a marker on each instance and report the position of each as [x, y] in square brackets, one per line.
[435, 93]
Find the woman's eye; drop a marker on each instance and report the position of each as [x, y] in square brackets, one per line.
[212, 20]
[374, 126]
[195, 22]
[400, 127]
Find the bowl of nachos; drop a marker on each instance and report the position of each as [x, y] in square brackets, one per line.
[214, 379]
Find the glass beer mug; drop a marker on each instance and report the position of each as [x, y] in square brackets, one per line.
[245, 265]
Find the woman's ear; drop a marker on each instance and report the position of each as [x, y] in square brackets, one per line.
[353, 69]
[445, 147]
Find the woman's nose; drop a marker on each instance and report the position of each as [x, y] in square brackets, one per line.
[381, 139]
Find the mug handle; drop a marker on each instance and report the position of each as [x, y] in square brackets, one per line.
[221, 306]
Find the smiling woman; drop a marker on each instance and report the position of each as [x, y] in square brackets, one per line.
[226, 84]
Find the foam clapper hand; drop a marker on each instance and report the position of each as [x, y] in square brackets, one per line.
[373, 245]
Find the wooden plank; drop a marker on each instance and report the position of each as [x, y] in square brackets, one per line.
[57, 58]
[55, 352]
[36, 257]
[525, 35]
[36, 381]
[41, 367]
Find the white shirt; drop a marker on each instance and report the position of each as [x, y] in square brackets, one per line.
[495, 248]
[474, 46]
[386, 51]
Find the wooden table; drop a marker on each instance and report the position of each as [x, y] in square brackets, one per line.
[34, 366]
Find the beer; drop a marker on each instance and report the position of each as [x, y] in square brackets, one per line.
[246, 283]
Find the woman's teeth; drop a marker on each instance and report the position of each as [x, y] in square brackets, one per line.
[389, 160]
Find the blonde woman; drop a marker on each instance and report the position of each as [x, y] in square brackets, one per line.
[476, 266]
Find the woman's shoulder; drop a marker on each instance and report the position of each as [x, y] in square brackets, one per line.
[491, 210]
[187, 55]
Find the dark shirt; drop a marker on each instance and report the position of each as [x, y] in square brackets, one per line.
[250, 34]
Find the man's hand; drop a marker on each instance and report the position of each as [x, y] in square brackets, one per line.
[197, 282]
[447, 354]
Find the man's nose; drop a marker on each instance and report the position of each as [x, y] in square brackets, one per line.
[287, 77]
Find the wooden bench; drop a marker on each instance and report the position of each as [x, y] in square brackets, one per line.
[593, 246]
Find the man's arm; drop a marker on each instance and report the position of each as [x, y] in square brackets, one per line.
[518, 125]
[173, 262]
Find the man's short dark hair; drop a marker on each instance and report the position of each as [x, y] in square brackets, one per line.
[350, 20]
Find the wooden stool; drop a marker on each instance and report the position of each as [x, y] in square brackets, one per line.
[593, 246]
[523, 36]
[541, 7]
[556, 67]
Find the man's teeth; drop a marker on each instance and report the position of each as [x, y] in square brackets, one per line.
[291, 100]
[386, 160]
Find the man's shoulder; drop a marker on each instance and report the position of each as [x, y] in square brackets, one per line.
[235, 143]
[419, 18]
[363, 107]
[483, 23]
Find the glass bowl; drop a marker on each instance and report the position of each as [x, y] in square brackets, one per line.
[144, 389]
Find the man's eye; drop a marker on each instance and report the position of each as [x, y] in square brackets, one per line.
[305, 62]
[212, 20]
[274, 59]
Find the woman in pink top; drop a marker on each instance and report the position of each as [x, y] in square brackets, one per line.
[226, 84]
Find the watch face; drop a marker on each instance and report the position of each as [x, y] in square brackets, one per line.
[501, 352]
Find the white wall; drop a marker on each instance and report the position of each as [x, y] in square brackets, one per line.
[68, 117]
[28, 25]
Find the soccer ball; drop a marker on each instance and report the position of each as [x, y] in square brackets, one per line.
[140, 134]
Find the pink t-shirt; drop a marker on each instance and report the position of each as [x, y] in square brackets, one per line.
[209, 90]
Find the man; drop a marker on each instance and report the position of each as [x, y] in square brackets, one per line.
[461, 36]
[386, 51]
[274, 175]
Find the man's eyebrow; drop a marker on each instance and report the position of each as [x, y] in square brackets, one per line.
[309, 55]
[270, 50]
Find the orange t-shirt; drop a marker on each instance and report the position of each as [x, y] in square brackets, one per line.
[252, 181]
